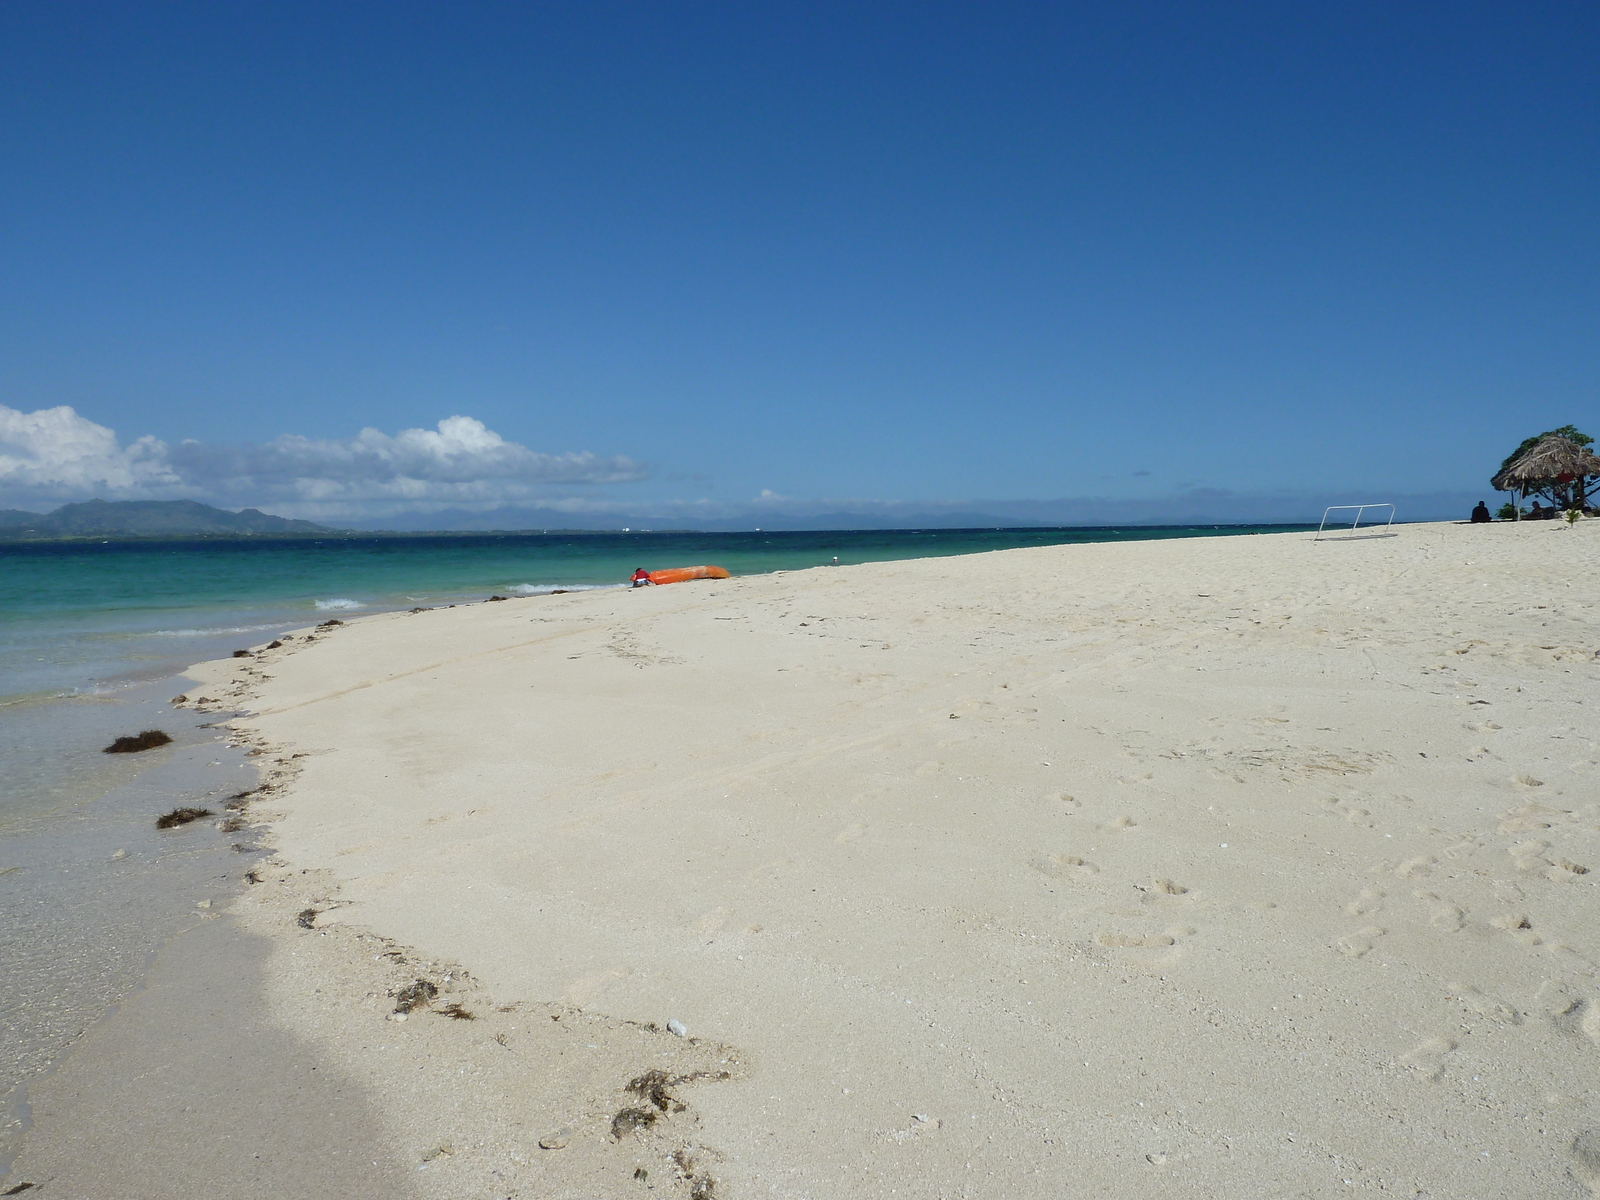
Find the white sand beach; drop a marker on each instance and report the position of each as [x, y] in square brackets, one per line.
[1236, 866]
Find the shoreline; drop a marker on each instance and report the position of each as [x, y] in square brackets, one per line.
[958, 868]
[91, 889]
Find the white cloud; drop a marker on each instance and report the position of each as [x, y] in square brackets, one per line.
[54, 454]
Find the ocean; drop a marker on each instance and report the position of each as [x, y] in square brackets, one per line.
[94, 637]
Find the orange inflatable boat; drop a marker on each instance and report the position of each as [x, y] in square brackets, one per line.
[683, 574]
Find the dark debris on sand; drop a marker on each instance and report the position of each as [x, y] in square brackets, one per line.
[307, 918]
[414, 995]
[274, 645]
[654, 1088]
[701, 1185]
[455, 1012]
[148, 740]
[630, 1120]
[330, 624]
[181, 816]
[243, 654]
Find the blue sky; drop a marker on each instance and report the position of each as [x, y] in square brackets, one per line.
[670, 257]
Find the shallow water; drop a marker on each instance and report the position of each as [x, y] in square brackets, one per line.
[90, 889]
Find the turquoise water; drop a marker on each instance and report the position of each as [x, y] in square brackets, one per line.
[83, 617]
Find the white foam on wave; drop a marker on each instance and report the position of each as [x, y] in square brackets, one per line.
[338, 605]
[213, 632]
[544, 589]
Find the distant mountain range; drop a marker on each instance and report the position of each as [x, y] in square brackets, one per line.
[145, 518]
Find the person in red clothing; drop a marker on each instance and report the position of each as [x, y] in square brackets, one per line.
[641, 578]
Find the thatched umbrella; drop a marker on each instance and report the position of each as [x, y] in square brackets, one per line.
[1549, 463]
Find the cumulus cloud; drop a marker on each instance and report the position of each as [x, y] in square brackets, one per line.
[55, 454]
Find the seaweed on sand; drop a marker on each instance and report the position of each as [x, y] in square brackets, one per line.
[148, 740]
[653, 1086]
[307, 918]
[330, 624]
[181, 816]
[630, 1120]
[455, 1012]
[414, 995]
[243, 654]
[701, 1185]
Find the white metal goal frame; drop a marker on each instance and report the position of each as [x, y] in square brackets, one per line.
[1387, 529]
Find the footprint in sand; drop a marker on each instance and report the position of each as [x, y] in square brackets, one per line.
[1480, 1005]
[1419, 865]
[1563, 869]
[1119, 824]
[710, 922]
[1370, 900]
[1584, 1159]
[1526, 818]
[1428, 1058]
[1441, 913]
[1064, 866]
[582, 992]
[1512, 922]
[1569, 1012]
[850, 833]
[1131, 941]
[1359, 943]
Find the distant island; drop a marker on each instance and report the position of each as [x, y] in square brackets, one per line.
[147, 518]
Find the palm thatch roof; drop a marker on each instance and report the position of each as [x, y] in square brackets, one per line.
[1546, 461]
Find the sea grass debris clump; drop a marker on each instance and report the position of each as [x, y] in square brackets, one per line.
[414, 995]
[148, 740]
[181, 816]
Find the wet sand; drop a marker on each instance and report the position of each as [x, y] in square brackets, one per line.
[89, 888]
[1245, 866]
[189, 1089]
